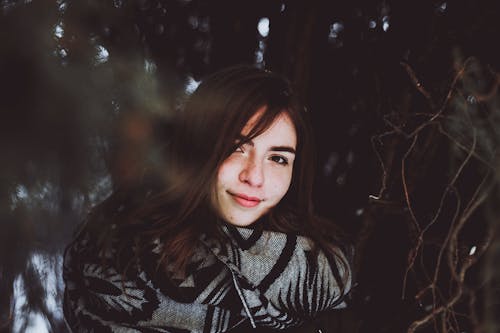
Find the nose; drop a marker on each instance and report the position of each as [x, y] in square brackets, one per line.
[252, 173]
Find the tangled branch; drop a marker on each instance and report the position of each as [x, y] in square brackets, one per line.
[444, 281]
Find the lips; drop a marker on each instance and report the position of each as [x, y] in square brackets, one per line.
[244, 200]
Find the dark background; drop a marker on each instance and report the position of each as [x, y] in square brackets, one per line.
[403, 96]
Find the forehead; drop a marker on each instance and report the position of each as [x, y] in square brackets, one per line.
[281, 130]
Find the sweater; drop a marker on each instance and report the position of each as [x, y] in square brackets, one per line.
[256, 278]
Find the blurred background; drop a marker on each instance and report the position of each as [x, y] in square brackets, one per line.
[403, 96]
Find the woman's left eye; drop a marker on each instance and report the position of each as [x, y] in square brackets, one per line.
[279, 159]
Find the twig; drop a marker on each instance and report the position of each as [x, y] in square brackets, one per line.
[473, 205]
[417, 84]
[413, 254]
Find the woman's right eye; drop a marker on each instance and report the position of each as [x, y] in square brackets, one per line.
[239, 148]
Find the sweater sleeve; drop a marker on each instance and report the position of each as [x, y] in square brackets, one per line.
[99, 298]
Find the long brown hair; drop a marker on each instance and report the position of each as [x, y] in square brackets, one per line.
[206, 130]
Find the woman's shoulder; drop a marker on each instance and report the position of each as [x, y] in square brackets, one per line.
[99, 291]
[98, 253]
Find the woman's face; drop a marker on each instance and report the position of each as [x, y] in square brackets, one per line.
[256, 176]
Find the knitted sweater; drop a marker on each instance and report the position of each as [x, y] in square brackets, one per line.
[261, 278]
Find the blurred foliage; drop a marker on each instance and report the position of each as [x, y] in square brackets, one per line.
[403, 97]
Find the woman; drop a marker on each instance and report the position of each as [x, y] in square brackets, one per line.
[225, 237]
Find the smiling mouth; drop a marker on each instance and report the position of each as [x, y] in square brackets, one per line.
[244, 200]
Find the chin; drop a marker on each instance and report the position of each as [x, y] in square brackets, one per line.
[240, 223]
[243, 221]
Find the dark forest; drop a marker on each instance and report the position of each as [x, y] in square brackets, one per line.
[404, 101]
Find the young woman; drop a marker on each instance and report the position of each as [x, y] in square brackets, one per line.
[224, 237]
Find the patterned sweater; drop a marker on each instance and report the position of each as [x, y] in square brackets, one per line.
[268, 279]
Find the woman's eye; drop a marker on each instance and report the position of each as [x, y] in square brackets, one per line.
[239, 149]
[279, 159]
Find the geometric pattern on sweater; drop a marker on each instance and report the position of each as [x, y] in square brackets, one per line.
[268, 278]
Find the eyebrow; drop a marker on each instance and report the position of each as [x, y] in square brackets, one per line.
[286, 149]
[283, 148]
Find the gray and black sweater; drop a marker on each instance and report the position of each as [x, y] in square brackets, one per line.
[258, 278]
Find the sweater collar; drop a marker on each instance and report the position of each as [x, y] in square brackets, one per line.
[245, 237]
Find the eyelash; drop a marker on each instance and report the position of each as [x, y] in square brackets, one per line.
[279, 159]
[275, 158]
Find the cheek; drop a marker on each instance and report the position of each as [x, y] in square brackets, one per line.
[226, 173]
[222, 182]
[280, 184]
